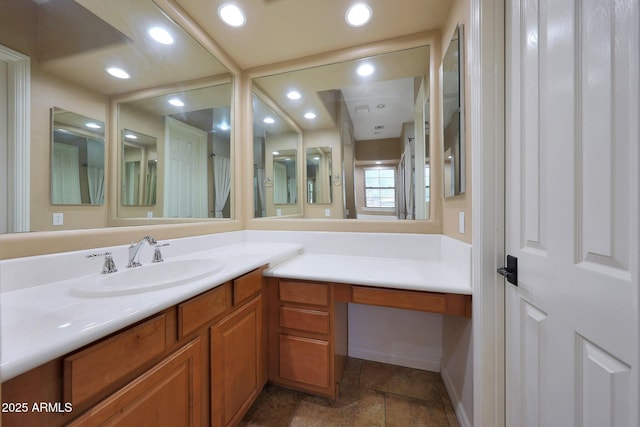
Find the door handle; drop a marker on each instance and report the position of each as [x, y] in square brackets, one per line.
[510, 272]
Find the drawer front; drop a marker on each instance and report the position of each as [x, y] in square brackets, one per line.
[90, 371]
[304, 360]
[304, 293]
[422, 301]
[304, 319]
[246, 286]
[203, 309]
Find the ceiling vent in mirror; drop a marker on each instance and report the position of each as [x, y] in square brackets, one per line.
[361, 109]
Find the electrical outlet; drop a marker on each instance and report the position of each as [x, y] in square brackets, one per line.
[58, 218]
[149, 214]
[278, 212]
[461, 222]
[327, 212]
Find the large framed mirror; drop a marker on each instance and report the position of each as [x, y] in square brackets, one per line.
[453, 116]
[276, 163]
[188, 136]
[319, 175]
[369, 113]
[115, 58]
[77, 159]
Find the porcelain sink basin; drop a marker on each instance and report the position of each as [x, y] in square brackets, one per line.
[146, 278]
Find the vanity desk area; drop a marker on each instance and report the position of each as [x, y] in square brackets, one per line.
[308, 297]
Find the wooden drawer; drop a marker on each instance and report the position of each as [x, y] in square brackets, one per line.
[305, 360]
[422, 301]
[304, 319]
[246, 286]
[304, 293]
[94, 369]
[202, 309]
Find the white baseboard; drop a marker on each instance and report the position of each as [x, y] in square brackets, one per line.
[431, 363]
[461, 414]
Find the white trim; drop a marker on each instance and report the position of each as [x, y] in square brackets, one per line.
[429, 363]
[486, 61]
[18, 137]
[458, 407]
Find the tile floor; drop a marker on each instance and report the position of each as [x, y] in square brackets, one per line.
[371, 394]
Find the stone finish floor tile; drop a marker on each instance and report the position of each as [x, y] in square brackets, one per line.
[371, 394]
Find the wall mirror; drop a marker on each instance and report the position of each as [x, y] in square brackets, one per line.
[276, 142]
[453, 116]
[319, 175]
[77, 159]
[73, 73]
[190, 145]
[371, 113]
[139, 168]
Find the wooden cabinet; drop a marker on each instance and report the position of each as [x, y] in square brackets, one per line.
[198, 363]
[307, 347]
[236, 363]
[166, 395]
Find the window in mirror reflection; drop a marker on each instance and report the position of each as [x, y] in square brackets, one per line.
[285, 182]
[183, 167]
[319, 177]
[77, 159]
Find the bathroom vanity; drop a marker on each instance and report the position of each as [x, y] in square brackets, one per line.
[199, 351]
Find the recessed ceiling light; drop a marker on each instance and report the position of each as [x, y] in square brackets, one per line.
[269, 120]
[358, 14]
[176, 102]
[93, 125]
[232, 15]
[130, 136]
[378, 163]
[225, 127]
[275, 153]
[309, 115]
[294, 95]
[118, 72]
[160, 35]
[380, 106]
[365, 70]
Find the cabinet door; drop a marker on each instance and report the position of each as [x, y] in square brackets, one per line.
[166, 395]
[236, 363]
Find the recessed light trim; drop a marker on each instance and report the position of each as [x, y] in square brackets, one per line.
[294, 95]
[176, 102]
[365, 70]
[358, 15]
[269, 120]
[310, 115]
[92, 125]
[161, 35]
[130, 136]
[231, 15]
[118, 73]
[275, 153]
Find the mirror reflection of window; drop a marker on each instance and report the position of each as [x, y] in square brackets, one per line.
[285, 181]
[77, 159]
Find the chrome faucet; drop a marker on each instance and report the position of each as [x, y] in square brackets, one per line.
[134, 250]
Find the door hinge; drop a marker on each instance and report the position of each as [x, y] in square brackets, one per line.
[511, 270]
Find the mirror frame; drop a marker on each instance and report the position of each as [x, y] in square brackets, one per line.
[459, 188]
[432, 225]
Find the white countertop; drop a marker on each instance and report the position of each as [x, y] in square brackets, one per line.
[43, 322]
[410, 274]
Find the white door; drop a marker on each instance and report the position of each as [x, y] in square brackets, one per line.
[185, 194]
[572, 212]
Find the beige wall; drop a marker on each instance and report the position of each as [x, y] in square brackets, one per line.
[459, 14]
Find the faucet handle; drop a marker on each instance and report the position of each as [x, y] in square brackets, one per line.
[109, 265]
[157, 255]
